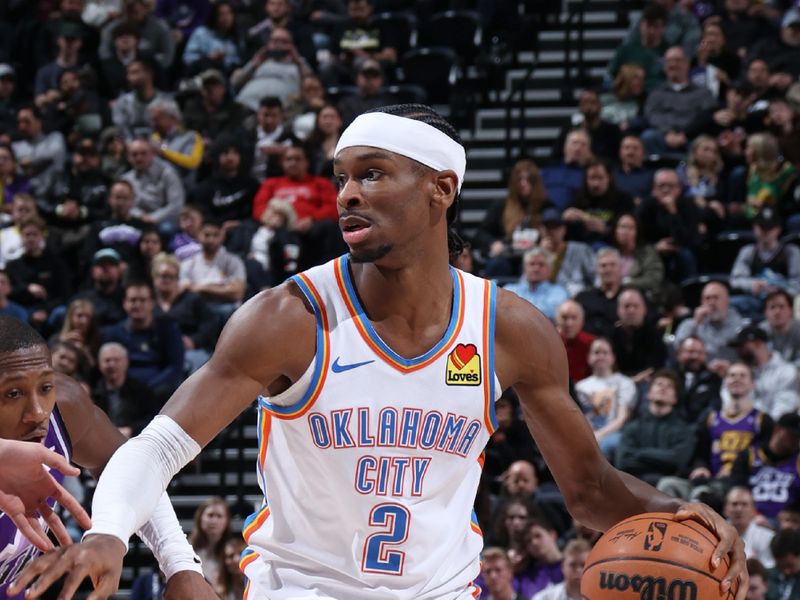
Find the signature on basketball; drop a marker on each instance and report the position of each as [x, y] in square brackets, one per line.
[625, 534]
[648, 587]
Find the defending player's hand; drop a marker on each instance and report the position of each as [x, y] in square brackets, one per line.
[25, 486]
[99, 557]
[729, 543]
[188, 584]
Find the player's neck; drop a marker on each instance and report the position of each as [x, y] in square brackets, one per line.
[410, 306]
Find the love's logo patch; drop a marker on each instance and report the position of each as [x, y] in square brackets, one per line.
[463, 366]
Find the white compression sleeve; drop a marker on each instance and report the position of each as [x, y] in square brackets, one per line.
[137, 475]
[166, 539]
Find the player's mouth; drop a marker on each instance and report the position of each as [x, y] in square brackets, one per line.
[37, 436]
[354, 229]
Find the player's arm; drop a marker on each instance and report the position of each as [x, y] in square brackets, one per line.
[538, 373]
[530, 356]
[251, 356]
[94, 440]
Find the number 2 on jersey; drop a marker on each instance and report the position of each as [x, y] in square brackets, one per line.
[378, 556]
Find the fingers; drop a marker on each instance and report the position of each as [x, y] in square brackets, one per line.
[56, 526]
[58, 462]
[74, 507]
[72, 582]
[103, 589]
[32, 530]
[32, 571]
[737, 570]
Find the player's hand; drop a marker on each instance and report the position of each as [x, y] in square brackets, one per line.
[99, 557]
[729, 543]
[25, 486]
[188, 584]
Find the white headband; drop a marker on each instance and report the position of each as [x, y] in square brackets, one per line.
[407, 137]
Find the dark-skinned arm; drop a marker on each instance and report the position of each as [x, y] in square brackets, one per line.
[538, 373]
[531, 357]
[243, 366]
[94, 439]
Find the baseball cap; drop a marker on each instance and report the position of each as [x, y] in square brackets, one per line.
[6, 70]
[70, 29]
[749, 333]
[371, 67]
[792, 17]
[767, 217]
[106, 255]
[551, 216]
[791, 422]
[86, 146]
[210, 76]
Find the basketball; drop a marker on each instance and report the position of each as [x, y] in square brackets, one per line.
[652, 556]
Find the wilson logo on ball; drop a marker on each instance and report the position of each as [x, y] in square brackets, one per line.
[655, 536]
[649, 588]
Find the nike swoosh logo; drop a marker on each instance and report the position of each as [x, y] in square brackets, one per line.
[337, 368]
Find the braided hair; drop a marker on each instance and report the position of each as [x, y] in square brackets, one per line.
[425, 114]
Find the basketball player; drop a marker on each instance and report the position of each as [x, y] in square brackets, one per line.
[23, 486]
[378, 373]
[41, 408]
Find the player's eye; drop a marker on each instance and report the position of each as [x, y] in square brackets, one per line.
[340, 181]
[372, 175]
[47, 388]
[13, 394]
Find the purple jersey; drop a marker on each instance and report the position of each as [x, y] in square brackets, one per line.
[15, 550]
[731, 436]
[774, 485]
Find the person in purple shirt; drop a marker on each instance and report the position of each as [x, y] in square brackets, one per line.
[42, 407]
[11, 181]
[543, 559]
[771, 470]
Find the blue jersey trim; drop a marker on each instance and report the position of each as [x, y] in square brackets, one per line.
[361, 315]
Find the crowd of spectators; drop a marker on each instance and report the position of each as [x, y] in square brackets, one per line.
[161, 161]
[661, 239]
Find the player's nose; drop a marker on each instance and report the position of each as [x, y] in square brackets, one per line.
[35, 411]
[350, 194]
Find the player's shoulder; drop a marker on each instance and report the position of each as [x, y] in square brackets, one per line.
[272, 323]
[74, 404]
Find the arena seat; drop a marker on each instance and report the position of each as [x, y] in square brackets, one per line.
[399, 27]
[692, 288]
[724, 249]
[408, 93]
[434, 69]
[459, 30]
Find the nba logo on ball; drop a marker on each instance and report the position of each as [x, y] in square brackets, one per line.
[655, 536]
[654, 557]
[463, 366]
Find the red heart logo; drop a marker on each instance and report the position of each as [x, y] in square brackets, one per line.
[462, 354]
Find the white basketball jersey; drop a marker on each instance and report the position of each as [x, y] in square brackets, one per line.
[370, 462]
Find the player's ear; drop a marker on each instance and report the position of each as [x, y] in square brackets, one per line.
[445, 188]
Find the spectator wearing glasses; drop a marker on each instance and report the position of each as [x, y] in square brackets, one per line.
[199, 327]
[670, 222]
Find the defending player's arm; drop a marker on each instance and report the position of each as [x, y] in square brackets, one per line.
[538, 372]
[94, 439]
[267, 343]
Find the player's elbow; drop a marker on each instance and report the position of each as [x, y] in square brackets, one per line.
[584, 497]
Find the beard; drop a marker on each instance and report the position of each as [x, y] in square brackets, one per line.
[368, 256]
